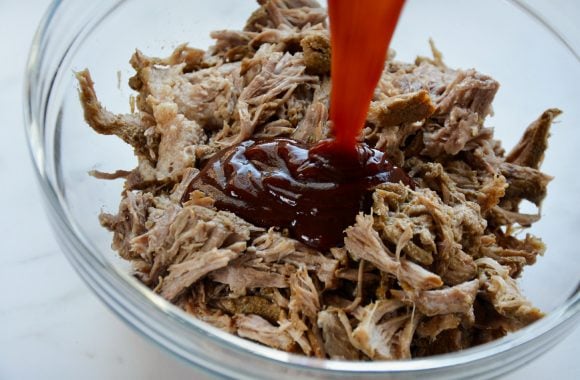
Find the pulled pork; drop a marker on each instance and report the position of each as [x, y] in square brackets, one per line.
[427, 271]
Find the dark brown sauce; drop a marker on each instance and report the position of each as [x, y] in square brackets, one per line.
[314, 192]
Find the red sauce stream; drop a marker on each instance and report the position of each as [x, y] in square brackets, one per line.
[360, 33]
[316, 191]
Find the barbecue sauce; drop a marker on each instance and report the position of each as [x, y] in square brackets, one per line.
[316, 191]
[360, 33]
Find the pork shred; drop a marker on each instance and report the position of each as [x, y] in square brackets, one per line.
[425, 271]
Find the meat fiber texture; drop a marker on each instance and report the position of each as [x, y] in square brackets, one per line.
[429, 270]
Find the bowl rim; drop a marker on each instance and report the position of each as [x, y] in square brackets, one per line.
[101, 276]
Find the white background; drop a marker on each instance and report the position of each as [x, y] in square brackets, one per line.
[51, 325]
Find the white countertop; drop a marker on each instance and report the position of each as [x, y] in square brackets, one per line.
[51, 325]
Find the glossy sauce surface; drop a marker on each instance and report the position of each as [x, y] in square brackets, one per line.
[313, 192]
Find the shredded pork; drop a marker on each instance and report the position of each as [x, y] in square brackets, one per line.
[425, 271]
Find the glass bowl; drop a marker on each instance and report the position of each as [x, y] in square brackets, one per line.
[536, 68]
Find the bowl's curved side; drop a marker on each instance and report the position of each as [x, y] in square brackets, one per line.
[193, 341]
[562, 35]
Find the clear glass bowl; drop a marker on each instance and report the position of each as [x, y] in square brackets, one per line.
[536, 69]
